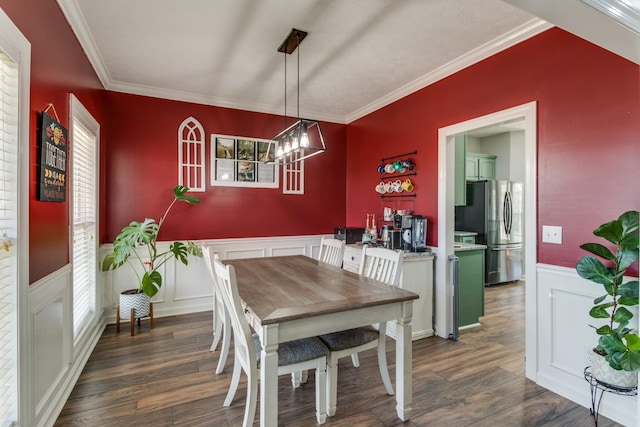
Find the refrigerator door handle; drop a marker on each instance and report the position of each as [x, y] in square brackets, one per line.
[506, 212]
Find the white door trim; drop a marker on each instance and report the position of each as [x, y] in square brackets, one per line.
[446, 164]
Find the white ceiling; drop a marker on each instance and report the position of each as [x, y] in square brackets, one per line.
[359, 55]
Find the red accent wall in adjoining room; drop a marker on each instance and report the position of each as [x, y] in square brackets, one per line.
[59, 67]
[588, 135]
[142, 169]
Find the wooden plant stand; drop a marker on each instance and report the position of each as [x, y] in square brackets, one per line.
[132, 319]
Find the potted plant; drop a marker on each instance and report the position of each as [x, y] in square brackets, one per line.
[616, 359]
[140, 240]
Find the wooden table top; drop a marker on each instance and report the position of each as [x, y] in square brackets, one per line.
[278, 289]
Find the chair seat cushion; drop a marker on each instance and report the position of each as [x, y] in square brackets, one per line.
[297, 351]
[350, 338]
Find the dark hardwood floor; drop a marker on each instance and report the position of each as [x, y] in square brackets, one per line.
[165, 377]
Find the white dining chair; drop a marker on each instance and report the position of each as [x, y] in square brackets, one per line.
[221, 325]
[384, 265]
[298, 355]
[331, 251]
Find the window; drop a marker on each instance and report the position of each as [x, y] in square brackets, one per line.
[240, 162]
[191, 155]
[294, 176]
[15, 53]
[84, 243]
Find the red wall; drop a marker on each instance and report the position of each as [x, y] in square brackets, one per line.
[58, 67]
[588, 135]
[142, 169]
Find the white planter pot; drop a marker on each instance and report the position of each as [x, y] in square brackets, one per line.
[605, 374]
[133, 298]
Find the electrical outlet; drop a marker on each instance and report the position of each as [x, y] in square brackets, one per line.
[552, 234]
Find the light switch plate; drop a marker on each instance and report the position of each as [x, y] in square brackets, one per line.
[552, 234]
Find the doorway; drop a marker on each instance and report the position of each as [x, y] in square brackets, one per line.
[443, 321]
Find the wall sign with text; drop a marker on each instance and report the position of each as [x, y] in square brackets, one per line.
[52, 168]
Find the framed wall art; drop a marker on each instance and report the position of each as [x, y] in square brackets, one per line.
[240, 162]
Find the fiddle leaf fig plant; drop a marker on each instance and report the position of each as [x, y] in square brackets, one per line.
[618, 343]
[139, 238]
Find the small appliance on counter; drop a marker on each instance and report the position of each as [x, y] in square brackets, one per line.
[391, 239]
[418, 233]
[413, 232]
[350, 235]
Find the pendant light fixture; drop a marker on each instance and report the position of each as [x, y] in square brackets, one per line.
[303, 138]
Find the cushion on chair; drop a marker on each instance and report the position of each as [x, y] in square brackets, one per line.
[350, 338]
[296, 351]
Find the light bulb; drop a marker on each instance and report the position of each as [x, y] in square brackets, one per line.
[304, 137]
[279, 152]
[294, 143]
[287, 146]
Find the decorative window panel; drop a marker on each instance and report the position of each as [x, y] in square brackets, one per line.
[241, 162]
[191, 157]
[293, 175]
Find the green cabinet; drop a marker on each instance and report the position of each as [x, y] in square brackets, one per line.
[470, 286]
[479, 167]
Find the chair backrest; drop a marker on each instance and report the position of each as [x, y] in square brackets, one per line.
[331, 251]
[228, 290]
[381, 264]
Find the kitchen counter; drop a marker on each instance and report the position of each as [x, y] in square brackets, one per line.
[406, 254]
[467, 247]
[464, 233]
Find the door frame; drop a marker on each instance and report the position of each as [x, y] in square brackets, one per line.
[443, 320]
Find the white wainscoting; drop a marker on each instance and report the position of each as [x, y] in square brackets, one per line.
[52, 360]
[565, 339]
[188, 289]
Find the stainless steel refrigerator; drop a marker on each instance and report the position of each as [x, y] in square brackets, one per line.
[494, 210]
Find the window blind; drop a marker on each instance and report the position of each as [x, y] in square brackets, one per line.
[8, 238]
[83, 181]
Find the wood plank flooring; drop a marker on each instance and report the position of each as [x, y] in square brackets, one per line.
[166, 377]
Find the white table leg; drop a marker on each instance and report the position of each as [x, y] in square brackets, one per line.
[404, 385]
[269, 377]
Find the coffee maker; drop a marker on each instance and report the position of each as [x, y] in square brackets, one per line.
[418, 233]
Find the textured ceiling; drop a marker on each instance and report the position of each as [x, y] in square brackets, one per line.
[359, 54]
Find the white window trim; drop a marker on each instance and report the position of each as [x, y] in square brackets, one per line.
[79, 112]
[16, 45]
[193, 125]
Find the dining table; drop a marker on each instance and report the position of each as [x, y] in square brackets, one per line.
[293, 297]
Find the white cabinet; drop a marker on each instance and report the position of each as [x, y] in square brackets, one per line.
[417, 276]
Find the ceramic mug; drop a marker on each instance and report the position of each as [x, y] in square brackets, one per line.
[407, 186]
[408, 164]
[381, 168]
[387, 187]
[388, 168]
[398, 167]
[380, 188]
[396, 186]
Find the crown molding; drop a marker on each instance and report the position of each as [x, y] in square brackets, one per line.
[507, 40]
[73, 14]
[79, 26]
